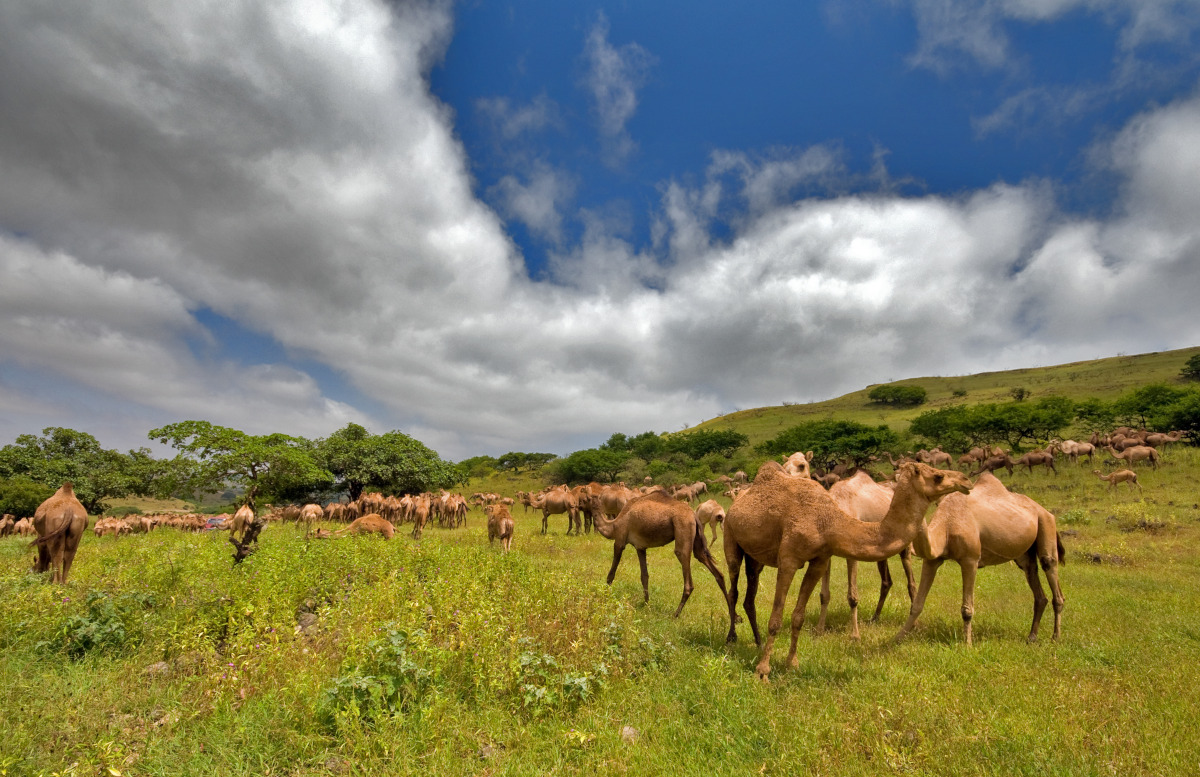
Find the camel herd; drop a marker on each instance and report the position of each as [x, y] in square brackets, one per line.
[790, 517]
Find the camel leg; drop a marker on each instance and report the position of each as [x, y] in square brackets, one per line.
[684, 554]
[817, 568]
[645, 574]
[753, 572]
[1028, 565]
[928, 572]
[618, 549]
[825, 597]
[906, 562]
[787, 570]
[885, 585]
[733, 562]
[969, 567]
[705, 557]
[852, 595]
[545, 522]
[1048, 558]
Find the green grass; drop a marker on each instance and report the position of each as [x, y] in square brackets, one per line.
[244, 693]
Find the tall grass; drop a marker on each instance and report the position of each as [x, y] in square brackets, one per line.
[361, 656]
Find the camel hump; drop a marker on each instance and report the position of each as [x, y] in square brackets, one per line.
[67, 488]
[769, 469]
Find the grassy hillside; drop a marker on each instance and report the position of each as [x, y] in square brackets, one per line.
[1102, 378]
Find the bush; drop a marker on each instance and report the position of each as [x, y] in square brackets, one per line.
[903, 396]
[21, 496]
[1191, 370]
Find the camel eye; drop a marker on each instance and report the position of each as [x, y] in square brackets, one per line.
[938, 478]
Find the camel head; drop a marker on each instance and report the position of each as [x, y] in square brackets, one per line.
[933, 483]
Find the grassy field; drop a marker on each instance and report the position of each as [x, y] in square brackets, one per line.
[445, 657]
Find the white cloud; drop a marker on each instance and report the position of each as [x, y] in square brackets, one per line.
[613, 77]
[537, 203]
[289, 169]
[514, 121]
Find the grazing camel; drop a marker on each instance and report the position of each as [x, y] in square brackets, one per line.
[371, 523]
[787, 522]
[994, 462]
[867, 501]
[1159, 439]
[710, 513]
[310, 514]
[60, 522]
[1135, 454]
[1120, 476]
[652, 521]
[1038, 458]
[990, 525]
[500, 524]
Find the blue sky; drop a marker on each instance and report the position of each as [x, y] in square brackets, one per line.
[527, 225]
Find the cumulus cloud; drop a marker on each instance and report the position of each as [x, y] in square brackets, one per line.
[613, 77]
[289, 169]
[536, 202]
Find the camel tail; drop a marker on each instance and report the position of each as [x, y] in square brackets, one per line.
[700, 545]
[1062, 552]
[52, 535]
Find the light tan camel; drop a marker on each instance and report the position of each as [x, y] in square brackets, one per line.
[500, 525]
[710, 513]
[787, 522]
[241, 520]
[559, 501]
[652, 521]
[1159, 439]
[1120, 476]
[310, 514]
[1135, 454]
[868, 501]
[991, 525]
[371, 523]
[797, 464]
[60, 522]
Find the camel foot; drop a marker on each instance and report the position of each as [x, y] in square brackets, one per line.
[731, 639]
[763, 674]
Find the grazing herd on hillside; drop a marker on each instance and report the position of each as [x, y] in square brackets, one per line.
[791, 517]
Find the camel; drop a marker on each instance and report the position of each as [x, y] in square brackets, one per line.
[60, 522]
[797, 465]
[994, 462]
[710, 513]
[1120, 476]
[787, 522]
[1038, 458]
[1073, 450]
[371, 523]
[6, 525]
[866, 500]
[24, 528]
[1159, 439]
[500, 525]
[559, 501]
[310, 514]
[652, 521]
[241, 520]
[991, 525]
[935, 458]
[1135, 454]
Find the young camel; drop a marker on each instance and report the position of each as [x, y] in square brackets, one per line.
[787, 522]
[371, 523]
[652, 521]
[500, 525]
[60, 522]
[1120, 476]
[310, 514]
[991, 525]
[867, 501]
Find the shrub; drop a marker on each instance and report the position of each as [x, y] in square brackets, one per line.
[904, 396]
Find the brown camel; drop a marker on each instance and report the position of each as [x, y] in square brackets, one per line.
[787, 522]
[991, 525]
[60, 522]
[710, 513]
[241, 520]
[652, 521]
[559, 501]
[994, 462]
[500, 525]
[868, 501]
[1135, 454]
[310, 514]
[1037, 458]
[1120, 476]
[371, 523]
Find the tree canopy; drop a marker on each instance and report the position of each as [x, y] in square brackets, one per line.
[592, 464]
[892, 394]
[962, 426]
[392, 462]
[832, 441]
[698, 444]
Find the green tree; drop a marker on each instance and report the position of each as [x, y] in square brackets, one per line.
[832, 441]
[1191, 370]
[647, 446]
[591, 464]
[903, 396]
[20, 496]
[515, 461]
[392, 462]
[1140, 406]
[274, 467]
[1095, 415]
[62, 454]
[698, 444]
[1184, 415]
[479, 466]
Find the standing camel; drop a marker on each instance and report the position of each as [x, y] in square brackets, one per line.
[310, 514]
[652, 521]
[991, 525]
[710, 513]
[60, 522]
[868, 501]
[500, 525]
[787, 522]
[558, 501]
[1135, 454]
[1120, 476]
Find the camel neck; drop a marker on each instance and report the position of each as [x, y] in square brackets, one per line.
[862, 541]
